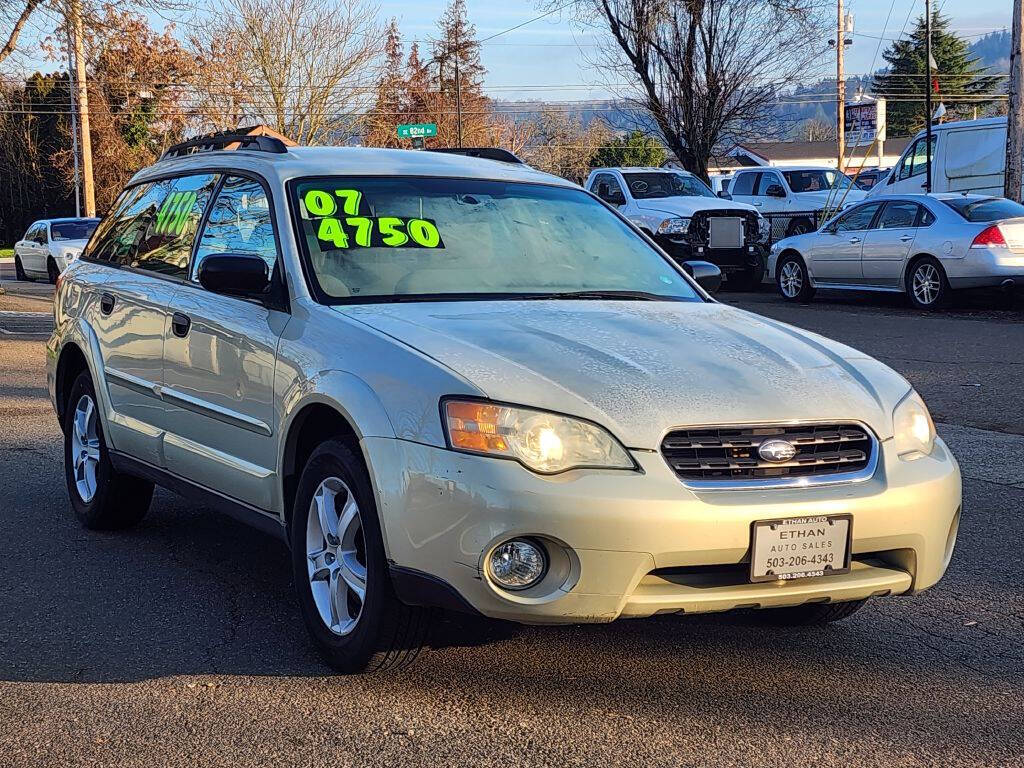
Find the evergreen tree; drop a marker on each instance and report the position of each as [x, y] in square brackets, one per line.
[457, 45]
[390, 103]
[961, 83]
[636, 150]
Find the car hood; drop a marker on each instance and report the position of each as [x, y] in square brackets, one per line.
[687, 206]
[830, 198]
[640, 368]
[69, 245]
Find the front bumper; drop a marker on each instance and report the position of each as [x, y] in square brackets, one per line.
[726, 259]
[639, 543]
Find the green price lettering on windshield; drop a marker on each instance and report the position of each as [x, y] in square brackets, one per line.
[377, 232]
[321, 203]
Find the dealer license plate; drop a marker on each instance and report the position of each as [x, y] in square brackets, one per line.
[800, 547]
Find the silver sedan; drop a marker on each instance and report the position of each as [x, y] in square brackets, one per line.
[923, 245]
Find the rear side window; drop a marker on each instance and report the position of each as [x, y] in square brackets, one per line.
[985, 209]
[744, 184]
[239, 222]
[153, 225]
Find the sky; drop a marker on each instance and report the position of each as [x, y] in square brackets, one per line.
[553, 59]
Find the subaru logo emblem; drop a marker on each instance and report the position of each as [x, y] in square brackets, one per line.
[776, 451]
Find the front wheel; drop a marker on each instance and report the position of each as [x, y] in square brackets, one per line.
[927, 286]
[51, 271]
[341, 573]
[102, 497]
[749, 279]
[793, 281]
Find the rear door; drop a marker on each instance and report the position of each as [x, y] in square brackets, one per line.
[146, 240]
[219, 363]
[837, 253]
[887, 246]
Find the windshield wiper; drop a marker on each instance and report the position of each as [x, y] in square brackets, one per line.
[597, 295]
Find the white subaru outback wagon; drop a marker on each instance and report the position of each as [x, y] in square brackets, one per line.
[449, 381]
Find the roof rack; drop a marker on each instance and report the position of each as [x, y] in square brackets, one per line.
[487, 153]
[257, 138]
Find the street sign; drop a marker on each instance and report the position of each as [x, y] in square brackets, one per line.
[417, 130]
[865, 121]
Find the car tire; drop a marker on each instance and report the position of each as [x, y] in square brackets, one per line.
[748, 279]
[102, 497]
[927, 286]
[813, 614]
[792, 280]
[19, 271]
[335, 555]
[51, 271]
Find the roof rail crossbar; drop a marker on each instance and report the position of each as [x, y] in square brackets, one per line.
[487, 153]
[216, 141]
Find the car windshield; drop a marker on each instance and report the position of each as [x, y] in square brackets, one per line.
[72, 230]
[985, 209]
[816, 180]
[411, 238]
[646, 186]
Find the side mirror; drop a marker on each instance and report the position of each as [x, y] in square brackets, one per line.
[707, 275]
[234, 274]
[775, 190]
[724, 195]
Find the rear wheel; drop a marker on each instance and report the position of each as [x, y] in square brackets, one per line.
[927, 286]
[102, 498]
[799, 227]
[813, 614]
[341, 572]
[792, 279]
[19, 270]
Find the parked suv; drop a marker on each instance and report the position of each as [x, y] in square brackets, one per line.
[795, 196]
[687, 220]
[454, 382]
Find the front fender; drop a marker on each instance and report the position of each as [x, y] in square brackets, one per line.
[76, 331]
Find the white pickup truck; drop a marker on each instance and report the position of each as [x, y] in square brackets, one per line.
[795, 197]
[687, 220]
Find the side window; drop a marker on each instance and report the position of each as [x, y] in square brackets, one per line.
[767, 180]
[37, 234]
[898, 215]
[858, 219]
[615, 188]
[915, 161]
[240, 221]
[927, 218]
[42, 236]
[153, 225]
[744, 183]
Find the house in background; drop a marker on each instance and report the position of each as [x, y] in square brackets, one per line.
[821, 153]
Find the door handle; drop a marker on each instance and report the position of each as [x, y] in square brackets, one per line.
[106, 303]
[180, 323]
[854, 240]
[906, 238]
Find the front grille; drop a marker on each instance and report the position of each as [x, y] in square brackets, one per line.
[731, 453]
[699, 231]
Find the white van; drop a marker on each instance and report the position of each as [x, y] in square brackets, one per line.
[967, 156]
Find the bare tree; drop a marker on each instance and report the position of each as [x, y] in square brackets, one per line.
[15, 14]
[815, 129]
[708, 71]
[302, 66]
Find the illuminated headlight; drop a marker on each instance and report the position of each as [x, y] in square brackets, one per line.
[764, 227]
[543, 442]
[678, 226]
[912, 427]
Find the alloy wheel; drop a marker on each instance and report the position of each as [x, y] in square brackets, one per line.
[85, 447]
[336, 555]
[791, 280]
[926, 284]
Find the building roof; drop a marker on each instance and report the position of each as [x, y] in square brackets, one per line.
[781, 151]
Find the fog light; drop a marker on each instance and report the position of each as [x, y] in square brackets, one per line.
[517, 564]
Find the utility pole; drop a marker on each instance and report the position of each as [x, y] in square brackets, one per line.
[78, 49]
[1015, 119]
[928, 95]
[840, 85]
[74, 123]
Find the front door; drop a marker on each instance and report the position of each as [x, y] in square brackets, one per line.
[836, 255]
[148, 237]
[219, 360]
[887, 247]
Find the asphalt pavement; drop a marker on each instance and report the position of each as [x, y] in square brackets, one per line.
[179, 643]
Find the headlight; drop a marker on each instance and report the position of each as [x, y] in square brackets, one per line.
[70, 254]
[764, 227]
[912, 427]
[674, 227]
[544, 442]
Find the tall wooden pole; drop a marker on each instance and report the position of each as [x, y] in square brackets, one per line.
[928, 94]
[74, 123]
[78, 47]
[840, 85]
[1015, 119]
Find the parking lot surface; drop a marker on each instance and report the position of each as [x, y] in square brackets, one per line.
[179, 642]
